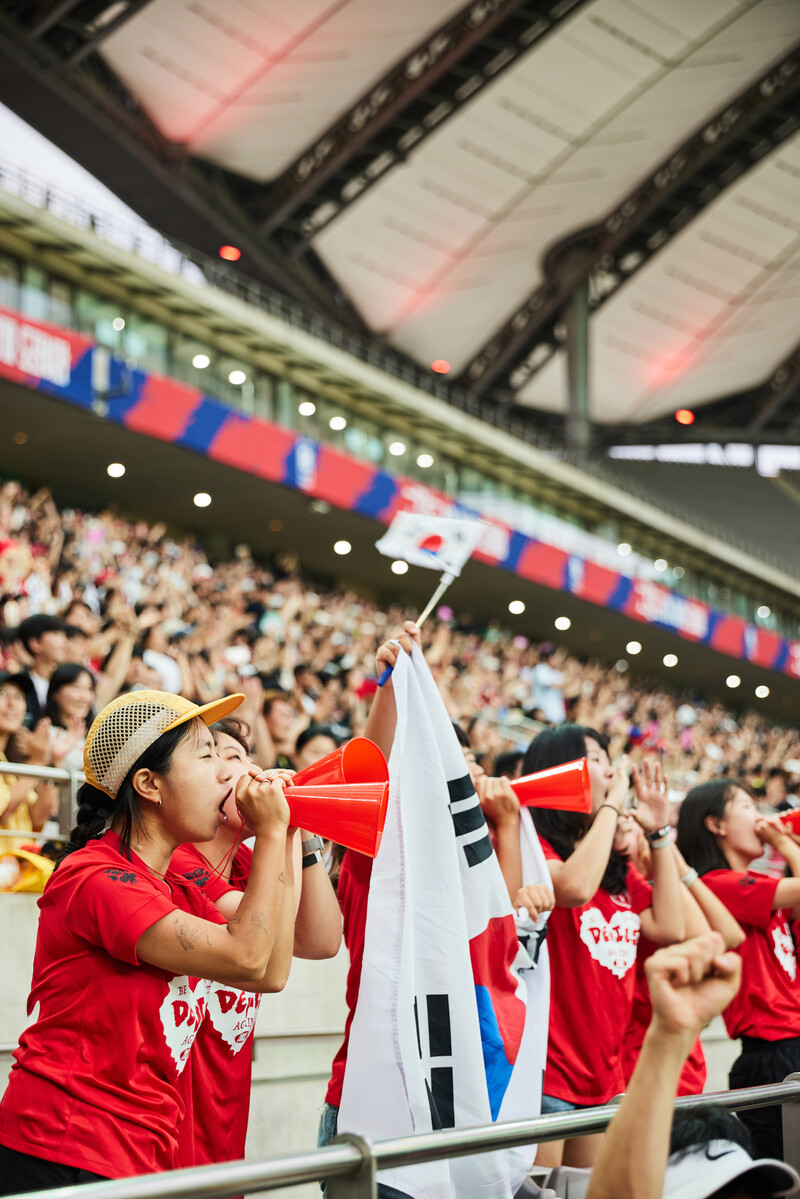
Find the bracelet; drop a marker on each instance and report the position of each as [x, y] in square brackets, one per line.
[661, 843]
[690, 877]
[659, 834]
[311, 859]
[613, 807]
[312, 844]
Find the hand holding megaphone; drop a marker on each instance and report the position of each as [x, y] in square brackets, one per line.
[261, 803]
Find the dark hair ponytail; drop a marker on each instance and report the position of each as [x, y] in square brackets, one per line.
[696, 841]
[564, 830]
[95, 808]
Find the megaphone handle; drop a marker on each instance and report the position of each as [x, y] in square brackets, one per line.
[444, 583]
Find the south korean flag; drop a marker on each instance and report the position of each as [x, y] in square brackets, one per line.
[439, 542]
[445, 1033]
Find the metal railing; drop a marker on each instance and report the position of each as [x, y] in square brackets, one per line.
[350, 1164]
[68, 782]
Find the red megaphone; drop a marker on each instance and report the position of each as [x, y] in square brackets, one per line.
[564, 788]
[353, 814]
[357, 761]
[791, 819]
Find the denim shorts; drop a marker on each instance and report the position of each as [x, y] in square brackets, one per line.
[551, 1106]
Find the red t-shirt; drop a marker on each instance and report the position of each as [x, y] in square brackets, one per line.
[693, 1075]
[217, 1087]
[353, 894]
[96, 1080]
[768, 1002]
[592, 971]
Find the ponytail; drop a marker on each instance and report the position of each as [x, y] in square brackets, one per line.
[96, 809]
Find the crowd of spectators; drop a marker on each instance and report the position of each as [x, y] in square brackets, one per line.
[93, 604]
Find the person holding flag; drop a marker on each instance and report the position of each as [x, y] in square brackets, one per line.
[441, 1031]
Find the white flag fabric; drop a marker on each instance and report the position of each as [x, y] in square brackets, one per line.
[440, 542]
[445, 1033]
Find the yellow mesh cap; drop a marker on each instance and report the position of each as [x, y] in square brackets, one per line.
[132, 722]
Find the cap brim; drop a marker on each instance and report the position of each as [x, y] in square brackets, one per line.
[710, 1167]
[208, 713]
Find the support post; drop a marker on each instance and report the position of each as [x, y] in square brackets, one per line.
[361, 1185]
[790, 1116]
[577, 421]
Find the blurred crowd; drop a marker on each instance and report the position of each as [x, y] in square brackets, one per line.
[93, 604]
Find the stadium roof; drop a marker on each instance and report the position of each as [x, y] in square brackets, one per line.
[448, 176]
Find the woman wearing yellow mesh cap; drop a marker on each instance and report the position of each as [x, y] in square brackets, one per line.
[124, 947]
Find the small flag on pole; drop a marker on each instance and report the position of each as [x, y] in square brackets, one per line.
[439, 542]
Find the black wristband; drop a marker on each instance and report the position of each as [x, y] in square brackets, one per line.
[311, 859]
[660, 834]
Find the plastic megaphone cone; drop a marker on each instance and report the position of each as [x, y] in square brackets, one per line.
[564, 788]
[351, 813]
[357, 761]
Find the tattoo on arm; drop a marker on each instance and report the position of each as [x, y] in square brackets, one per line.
[281, 877]
[189, 936]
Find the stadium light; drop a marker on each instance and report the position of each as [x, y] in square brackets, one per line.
[763, 612]
[201, 361]
[562, 623]
[337, 423]
[684, 416]
[732, 681]
[396, 448]
[230, 253]
[118, 324]
[237, 378]
[516, 607]
[678, 572]
[307, 408]
[660, 564]
[762, 692]
[201, 500]
[440, 366]
[399, 567]
[623, 549]
[342, 547]
[670, 659]
[424, 460]
[115, 469]
[633, 647]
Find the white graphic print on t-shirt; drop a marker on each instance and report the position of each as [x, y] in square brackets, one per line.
[785, 950]
[182, 1014]
[612, 942]
[233, 1014]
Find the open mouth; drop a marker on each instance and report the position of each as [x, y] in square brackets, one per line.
[221, 806]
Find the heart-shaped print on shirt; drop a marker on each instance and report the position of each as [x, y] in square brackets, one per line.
[612, 942]
[233, 1014]
[785, 950]
[182, 1014]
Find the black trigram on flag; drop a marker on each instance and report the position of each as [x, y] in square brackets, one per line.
[468, 821]
[440, 1046]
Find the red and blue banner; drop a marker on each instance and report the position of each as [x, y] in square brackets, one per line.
[59, 362]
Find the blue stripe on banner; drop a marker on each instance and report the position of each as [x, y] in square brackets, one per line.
[378, 497]
[207, 420]
[495, 1063]
[125, 389]
[782, 656]
[517, 542]
[620, 595]
[713, 621]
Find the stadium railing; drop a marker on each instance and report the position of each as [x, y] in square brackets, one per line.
[350, 1164]
[68, 782]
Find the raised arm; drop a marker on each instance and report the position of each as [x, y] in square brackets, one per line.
[382, 717]
[664, 921]
[690, 984]
[576, 880]
[703, 910]
[318, 923]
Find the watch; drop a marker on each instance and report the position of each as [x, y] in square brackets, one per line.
[312, 851]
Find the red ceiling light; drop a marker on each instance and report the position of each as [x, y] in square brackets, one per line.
[230, 253]
[684, 416]
[441, 366]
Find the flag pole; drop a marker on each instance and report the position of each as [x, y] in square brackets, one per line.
[445, 581]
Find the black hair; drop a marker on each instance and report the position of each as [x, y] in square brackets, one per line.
[34, 627]
[564, 830]
[508, 763]
[463, 739]
[694, 1130]
[315, 730]
[95, 808]
[62, 676]
[234, 728]
[696, 842]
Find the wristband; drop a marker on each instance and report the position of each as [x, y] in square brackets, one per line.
[690, 877]
[661, 843]
[311, 859]
[660, 834]
[312, 844]
[613, 807]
